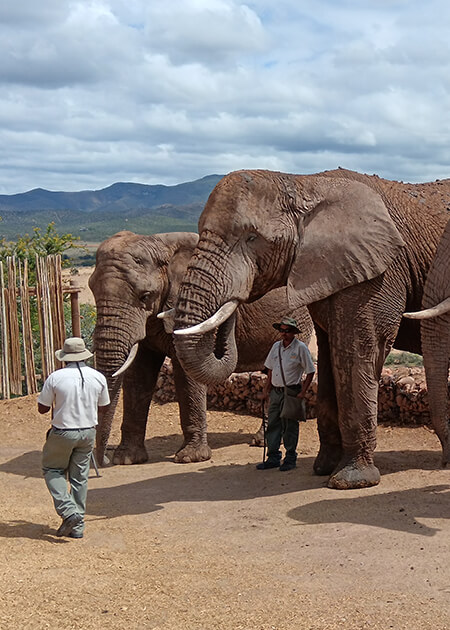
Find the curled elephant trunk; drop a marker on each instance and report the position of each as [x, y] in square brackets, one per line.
[209, 358]
[205, 314]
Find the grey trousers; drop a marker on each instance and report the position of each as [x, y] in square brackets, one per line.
[280, 429]
[66, 457]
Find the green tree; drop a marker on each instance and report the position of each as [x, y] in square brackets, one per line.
[40, 244]
[44, 243]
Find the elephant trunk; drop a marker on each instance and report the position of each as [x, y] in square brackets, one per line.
[209, 358]
[212, 356]
[112, 344]
[105, 420]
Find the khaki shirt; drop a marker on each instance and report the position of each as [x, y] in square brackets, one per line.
[296, 360]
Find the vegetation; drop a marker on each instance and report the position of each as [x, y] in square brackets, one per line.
[88, 316]
[40, 243]
[44, 243]
[407, 359]
[94, 227]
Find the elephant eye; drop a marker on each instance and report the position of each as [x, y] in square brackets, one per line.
[144, 296]
[251, 237]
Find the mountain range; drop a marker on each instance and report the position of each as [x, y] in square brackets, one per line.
[97, 214]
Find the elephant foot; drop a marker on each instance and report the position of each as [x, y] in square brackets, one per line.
[130, 454]
[258, 438]
[327, 459]
[354, 474]
[190, 453]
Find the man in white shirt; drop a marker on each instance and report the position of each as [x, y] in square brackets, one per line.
[76, 392]
[295, 360]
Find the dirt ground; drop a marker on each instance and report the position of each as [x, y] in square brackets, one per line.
[80, 279]
[222, 545]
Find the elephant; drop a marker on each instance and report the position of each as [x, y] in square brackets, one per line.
[135, 278]
[355, 249]
[435, 332]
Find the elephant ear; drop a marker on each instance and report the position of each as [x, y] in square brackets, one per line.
[346, 237]
[181, 247]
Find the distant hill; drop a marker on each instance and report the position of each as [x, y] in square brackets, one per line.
[97, 214]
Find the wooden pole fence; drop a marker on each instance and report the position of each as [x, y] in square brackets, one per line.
[27, 354]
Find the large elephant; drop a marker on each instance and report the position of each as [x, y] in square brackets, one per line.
[356, 249]
[435, 330]
[135, 278]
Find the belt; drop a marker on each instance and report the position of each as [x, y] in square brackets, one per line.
[76, 429]
[280, 390]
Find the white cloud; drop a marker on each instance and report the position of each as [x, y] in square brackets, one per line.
[98, 91]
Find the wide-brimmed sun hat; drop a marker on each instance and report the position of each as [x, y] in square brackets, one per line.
[73, 350]
[287, 321]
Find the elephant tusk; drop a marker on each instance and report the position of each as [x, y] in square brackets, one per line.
[128, 361]
[166, 314]
[212, 322]
[434, 311]
[168, 318]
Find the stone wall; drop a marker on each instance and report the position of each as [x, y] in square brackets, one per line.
[402, 395]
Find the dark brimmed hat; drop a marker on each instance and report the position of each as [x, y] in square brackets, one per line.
[287, 321]
[73, 350]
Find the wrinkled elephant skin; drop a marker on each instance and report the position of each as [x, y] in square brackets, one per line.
[135, 278]
[435, 331]
[356, 250]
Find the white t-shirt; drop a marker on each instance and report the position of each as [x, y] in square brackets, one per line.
[296, 359]
[75, 404]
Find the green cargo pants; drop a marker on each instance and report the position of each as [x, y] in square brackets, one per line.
[66, 457]
[280, 429]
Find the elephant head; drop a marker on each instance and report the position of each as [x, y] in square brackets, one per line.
[260, 230]
[135, 278]
[435, 332]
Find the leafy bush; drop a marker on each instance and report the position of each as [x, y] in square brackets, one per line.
[88, 316]
[40, 244]
[407, 359]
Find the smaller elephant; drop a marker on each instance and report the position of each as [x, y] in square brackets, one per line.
[435, 332]
[135, 278]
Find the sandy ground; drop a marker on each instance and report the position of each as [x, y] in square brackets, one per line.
[80, 279]
[222, 545]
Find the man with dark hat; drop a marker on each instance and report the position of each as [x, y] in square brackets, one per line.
[75, 392]
[286, 362]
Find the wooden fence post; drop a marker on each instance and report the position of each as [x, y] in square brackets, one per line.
[75, 309]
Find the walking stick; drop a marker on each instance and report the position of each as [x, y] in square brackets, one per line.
[94, 463]
[264, 423]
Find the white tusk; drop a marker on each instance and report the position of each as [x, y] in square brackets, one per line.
[168, 318]
[128, 361]
[166, 314]
[212, 322]
[435, 311]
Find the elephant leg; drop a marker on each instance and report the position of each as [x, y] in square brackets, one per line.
[138, 386]
[436, 346]
[192, 403]
[437, 396]
[330, 451]
[357, 370]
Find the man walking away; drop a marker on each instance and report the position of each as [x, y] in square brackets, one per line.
[75, 392]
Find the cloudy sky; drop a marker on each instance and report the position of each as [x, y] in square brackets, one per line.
[166, 91]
